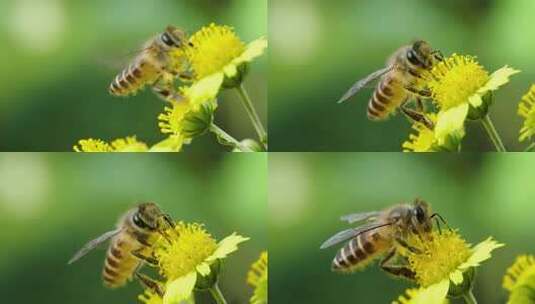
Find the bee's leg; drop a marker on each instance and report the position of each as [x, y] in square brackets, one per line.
[149, 260]
[438, 55]
[149, 283]
[397, 270]
[168, 220]
[425, 93]
[417, 116]
[420, 105]
[163, 88]
[405, 245]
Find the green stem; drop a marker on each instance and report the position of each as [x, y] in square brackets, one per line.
[217, 294]
[469, 298]
[255, 119]
[530, 147]
[493, 134]
[226, 139]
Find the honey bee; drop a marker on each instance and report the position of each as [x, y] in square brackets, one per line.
[130, 244]
[400, 81]
[154, 66]
[379, 235]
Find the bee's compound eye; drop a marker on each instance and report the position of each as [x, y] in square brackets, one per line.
[139, 222]
[167, 40]
[420, 214]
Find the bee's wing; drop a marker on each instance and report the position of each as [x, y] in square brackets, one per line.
[351, 233]
[363, 82]
[94, 243]
[358, 217]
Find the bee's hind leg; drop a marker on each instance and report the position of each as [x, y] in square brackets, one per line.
[396, 270]
[417, 116]
[149, 283]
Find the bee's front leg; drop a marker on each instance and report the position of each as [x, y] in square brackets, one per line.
[149, 283]
[405, 245]
[149, 260]
[397, 270]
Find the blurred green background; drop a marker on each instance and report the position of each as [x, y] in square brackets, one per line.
[58, 58]
[481, 194]
[52, 204]
[320, 48]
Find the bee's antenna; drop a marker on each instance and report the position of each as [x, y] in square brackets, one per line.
[438, 223]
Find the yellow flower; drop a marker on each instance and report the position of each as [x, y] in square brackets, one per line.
[435, 294]
[190, 254]
[526, 109]
[423, 140]
[461, 82]
[186, 119]
[446, 136]
[520, 280]
[258, 278]
[128, 144]
[445, 257]
[218, 54]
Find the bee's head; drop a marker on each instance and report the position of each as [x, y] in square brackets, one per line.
[421, 217]
[174, 37]
[147, 216]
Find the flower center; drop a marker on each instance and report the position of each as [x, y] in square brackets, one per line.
[213, 48]
[522, 272]
[455, 79]
[188, 246]
[442, 254]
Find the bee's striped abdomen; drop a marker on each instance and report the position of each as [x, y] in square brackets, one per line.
[133, 78]
[388, 96]
[359, 252]
[120, 265]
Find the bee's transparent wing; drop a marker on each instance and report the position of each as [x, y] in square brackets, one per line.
[351, 233]
[363, 82]
[358, 217]
[94, 243]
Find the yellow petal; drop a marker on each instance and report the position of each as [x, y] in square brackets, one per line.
[226, 246]
[203, 269]
[480, 253]
[171, 144]
[180, 289]
[435, 294]
[449, 121]
[497, 79]
[205, 89]
[253, 50]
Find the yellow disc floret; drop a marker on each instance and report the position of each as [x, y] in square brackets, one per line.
[189, 246]
[423, 140]
[258, 278]
[214, 47]
[522, 272]
[454, 80]
[441, 255]
[526, 109]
